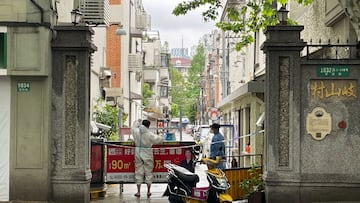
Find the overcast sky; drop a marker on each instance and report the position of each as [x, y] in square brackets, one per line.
[172, 28]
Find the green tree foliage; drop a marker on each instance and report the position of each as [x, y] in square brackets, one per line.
[194, 81]
[177, 91]
[147, 93]
[245, 20]
[185, 93]
[174, 110]
[108, 115]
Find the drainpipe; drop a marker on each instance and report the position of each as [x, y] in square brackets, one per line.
[40, 9]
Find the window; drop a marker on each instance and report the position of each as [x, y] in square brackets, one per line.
[163, 91]
[3, 50]
[164, 60]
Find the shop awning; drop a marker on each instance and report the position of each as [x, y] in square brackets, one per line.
[250, 87]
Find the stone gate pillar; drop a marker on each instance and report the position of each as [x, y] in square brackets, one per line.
[70, 102]
[282, 126]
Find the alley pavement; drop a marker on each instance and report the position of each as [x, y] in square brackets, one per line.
[113, 194]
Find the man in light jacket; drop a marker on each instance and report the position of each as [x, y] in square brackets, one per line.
[144, 160]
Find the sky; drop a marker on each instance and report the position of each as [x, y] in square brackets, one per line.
[172, 29]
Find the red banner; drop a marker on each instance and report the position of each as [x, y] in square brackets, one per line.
[121, 167]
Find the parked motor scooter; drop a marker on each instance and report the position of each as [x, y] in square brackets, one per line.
[181, 182]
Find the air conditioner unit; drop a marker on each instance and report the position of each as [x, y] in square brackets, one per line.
[135, 62]
[142, 21]
[95, 11]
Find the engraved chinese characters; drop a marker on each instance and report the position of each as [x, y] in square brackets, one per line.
[338, 89]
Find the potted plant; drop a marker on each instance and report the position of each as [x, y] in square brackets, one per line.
[254, 185]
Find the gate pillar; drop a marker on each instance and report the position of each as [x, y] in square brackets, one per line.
[282, 98]
[70, 101]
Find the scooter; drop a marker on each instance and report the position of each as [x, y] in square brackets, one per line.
[181, 185]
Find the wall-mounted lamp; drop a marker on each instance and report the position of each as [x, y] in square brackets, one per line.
[75, 16]
[120, 30]
[282, 15]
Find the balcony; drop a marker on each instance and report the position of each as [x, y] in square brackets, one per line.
[151, 75]
[95, 11]
[164, 75]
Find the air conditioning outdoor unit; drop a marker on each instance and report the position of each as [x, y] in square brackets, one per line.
[142, 21]
[135, 62]
[95, 11]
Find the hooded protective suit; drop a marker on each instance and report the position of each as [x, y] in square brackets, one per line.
[144, 160]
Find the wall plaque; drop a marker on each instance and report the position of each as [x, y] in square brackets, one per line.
[318, 123]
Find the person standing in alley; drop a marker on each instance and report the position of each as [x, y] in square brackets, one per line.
[217, 147]
[144, 160]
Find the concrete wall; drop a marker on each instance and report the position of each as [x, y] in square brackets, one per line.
[26, 11]
[98, 61]
[331, 163]
[64, 8]
[29, 56]
[29, 151]
[22, 61]
[5, 104]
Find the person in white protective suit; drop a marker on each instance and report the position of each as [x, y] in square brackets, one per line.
[144, 160]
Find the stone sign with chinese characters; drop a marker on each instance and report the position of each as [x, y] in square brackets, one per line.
[338, 89]
[318, 123]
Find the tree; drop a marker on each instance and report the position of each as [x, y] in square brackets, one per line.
[177, 89]
[194, 81]
[249, 18]
[174, 110]
[185, 93]
[147, 93]
[108, 115]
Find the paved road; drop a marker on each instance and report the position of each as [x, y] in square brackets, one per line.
[113, 194]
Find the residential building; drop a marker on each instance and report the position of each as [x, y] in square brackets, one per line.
[242, 90]
[25, 69]
[210, 92]
[30, 38]
[327, 22]
[134, 20]
[242, 72]
[181, 60]
[156, 74]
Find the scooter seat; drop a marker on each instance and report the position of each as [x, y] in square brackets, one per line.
[186, 175]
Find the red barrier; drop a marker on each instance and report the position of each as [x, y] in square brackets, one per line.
[120, 165]
[97, 163]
